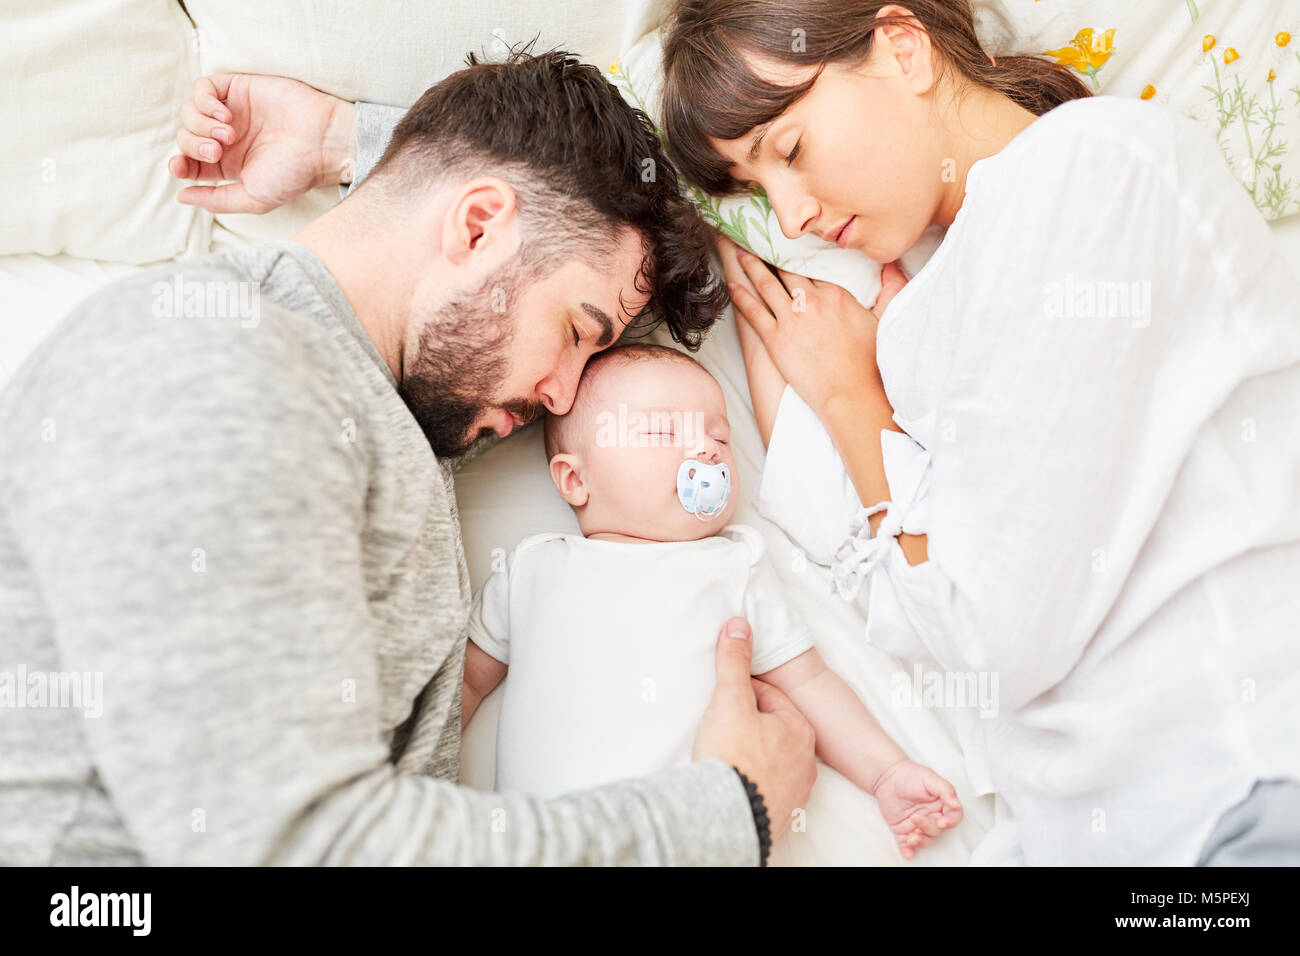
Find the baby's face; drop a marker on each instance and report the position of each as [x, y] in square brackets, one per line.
[649, 417]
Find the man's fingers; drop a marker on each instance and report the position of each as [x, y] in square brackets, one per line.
[201, 148]
[772, 700]
[735, 654]
[203, 126]
[231, 197]
[182, 167]
[208, 93]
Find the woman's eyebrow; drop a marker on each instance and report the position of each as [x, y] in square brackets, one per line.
[758, 142]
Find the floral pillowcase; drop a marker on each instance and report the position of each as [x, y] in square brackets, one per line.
[1234, 67]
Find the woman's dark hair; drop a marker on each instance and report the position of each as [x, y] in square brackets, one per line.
[583, 164]
[711, 92]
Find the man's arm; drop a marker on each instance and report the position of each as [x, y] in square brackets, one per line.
[270, 139]
[186, 553]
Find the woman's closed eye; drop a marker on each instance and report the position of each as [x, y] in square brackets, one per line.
[794, 152]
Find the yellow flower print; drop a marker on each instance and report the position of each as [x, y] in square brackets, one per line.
[1087, 52]
[614, 67]
[1207, 42]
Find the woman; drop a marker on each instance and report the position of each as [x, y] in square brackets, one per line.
[1098, 370]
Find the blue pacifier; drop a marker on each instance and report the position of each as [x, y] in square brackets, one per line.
[703, 489]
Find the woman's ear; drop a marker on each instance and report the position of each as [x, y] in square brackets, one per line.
[909, 45]
[568, 480]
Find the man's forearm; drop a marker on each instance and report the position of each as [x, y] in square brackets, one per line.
[689, 816]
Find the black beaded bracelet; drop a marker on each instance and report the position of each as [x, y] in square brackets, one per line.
[761, 823]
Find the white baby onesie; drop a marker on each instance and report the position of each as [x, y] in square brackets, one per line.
[612, 650]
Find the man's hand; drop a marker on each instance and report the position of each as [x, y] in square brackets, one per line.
[274, 137]
[754, 727]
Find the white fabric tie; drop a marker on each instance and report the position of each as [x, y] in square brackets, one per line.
[907, 470]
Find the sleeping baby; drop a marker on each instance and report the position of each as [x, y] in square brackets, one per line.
[610, 634]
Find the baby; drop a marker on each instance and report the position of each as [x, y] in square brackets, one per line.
[610, 634]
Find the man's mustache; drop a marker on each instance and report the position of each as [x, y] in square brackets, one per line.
[523, 409]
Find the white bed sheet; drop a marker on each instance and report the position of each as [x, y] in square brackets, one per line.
[506, 494]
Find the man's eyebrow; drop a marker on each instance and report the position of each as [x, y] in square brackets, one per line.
[606, 323]
[758, 142]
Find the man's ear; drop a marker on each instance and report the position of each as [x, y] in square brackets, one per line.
[568, 480]
[910, 45]
[481, 222]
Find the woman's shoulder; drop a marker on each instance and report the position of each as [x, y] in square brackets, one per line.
[1097, 150]
[1097, 131]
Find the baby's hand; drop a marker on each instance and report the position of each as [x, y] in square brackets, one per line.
[917, 804]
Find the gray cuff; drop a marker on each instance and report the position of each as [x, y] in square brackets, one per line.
[375, 126]
[706, 810]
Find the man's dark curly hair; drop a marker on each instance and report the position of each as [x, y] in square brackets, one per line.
[583, 163]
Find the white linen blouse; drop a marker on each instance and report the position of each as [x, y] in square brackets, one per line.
[1099, 371]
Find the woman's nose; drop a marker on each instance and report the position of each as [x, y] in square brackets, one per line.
[795, 216]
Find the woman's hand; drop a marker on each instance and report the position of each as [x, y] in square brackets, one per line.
[275, 137]
[821, 339]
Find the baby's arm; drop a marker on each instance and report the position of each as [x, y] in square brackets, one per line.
[915, 801]
[482, 673]
[766, 384]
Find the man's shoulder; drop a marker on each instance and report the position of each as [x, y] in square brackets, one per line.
[203, 324]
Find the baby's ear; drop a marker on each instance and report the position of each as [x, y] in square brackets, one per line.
[568, 481]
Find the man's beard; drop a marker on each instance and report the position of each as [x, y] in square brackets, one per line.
[462, 361]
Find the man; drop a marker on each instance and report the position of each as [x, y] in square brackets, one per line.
[226, 489]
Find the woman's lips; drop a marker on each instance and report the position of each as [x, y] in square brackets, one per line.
[842, 237]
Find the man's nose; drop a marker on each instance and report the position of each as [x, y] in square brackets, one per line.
[557, 391]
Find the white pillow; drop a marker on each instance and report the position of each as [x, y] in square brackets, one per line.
[391, 53]
[89, 114]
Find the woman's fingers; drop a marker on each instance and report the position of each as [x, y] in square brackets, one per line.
[769, 287]
[752, 310]
[793, 281]
[892, 281]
